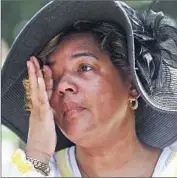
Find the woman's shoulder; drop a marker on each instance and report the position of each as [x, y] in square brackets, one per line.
[167, 164]
[170, 169]
[64, 154]
[66, 162]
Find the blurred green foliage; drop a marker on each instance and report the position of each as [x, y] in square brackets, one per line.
[7, 135]
[16, 13]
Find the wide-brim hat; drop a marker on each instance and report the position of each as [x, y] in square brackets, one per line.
[157, 122]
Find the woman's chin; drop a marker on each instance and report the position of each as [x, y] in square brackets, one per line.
[73, 134]
[75, 129]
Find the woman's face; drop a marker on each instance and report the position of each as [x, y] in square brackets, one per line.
[90, 99]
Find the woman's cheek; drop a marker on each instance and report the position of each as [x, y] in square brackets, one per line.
[55, 105]
[53, 100]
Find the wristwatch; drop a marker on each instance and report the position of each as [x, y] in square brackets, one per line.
[39, 166]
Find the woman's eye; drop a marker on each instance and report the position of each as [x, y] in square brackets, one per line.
[85, 68]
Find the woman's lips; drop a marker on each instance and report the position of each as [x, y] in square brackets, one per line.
[72, 113]
[71, 109]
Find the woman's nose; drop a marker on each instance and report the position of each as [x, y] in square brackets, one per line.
[66, 85]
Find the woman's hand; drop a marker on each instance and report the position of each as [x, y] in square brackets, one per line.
[42, 138]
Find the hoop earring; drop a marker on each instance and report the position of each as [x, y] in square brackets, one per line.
[134, 104]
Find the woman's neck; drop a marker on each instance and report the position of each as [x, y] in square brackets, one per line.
[123, 155]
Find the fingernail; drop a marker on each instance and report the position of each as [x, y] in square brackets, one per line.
[31, 58]
[39, 79]
[43, 69]
[28, 65]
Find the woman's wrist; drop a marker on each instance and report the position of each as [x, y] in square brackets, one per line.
[35, 154]
[27, 165]
[41, 167]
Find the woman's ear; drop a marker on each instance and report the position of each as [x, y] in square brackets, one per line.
[133, 96]
[133, 93]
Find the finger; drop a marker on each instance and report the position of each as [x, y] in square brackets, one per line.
[43, 98]
[48, 81]
[37, 66]
[33, 83]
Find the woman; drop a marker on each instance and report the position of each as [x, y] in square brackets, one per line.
[90, 86]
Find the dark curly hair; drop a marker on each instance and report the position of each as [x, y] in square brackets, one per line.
[111, 38]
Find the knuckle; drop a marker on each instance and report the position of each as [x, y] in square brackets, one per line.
[35, 110]
[42, 101]
[34, 101]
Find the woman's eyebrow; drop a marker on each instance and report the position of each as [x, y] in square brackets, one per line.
[84, 54]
